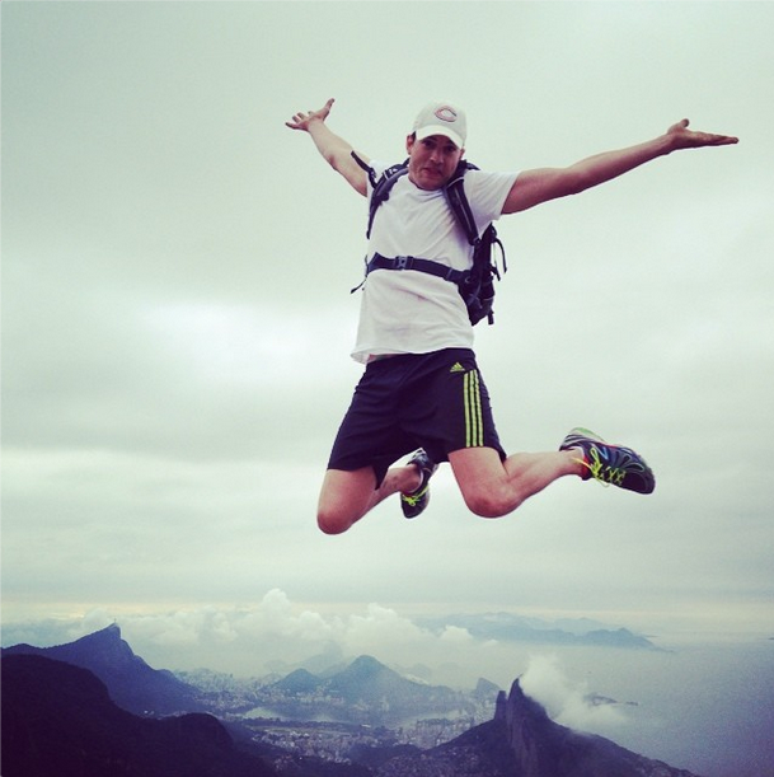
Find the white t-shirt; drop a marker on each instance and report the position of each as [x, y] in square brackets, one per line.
[408, 311]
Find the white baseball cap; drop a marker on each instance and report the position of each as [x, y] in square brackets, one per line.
[442, 119]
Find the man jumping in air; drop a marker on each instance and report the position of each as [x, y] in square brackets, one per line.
[421, 389]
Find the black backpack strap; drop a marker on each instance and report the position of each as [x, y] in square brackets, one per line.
[477, 289]
[379, 262]
[366, 167]
[380, 188]
[458, 202]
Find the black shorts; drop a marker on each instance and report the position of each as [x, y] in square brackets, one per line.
[436, 401]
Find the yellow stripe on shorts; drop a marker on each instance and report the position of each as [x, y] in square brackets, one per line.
[474, 423]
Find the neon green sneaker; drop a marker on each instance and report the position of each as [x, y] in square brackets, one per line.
[414, 503]
[610, 464]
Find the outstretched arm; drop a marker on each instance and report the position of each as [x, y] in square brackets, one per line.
[335, 150]
[535, 186]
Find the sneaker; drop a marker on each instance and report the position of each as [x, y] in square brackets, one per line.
[610, 464]
[414, 503]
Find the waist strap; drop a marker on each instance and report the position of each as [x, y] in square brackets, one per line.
[428, 266]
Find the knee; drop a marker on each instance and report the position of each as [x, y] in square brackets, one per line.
[490, 504]
[331, 522]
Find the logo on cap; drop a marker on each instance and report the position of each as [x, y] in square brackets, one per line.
[445, 113]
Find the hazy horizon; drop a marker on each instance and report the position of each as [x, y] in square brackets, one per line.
[695, 702]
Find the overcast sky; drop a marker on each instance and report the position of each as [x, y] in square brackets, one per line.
[177, 319]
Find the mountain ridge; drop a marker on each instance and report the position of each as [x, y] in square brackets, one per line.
[59, 721]
[133, 684]
[55, 712]
[522, 741]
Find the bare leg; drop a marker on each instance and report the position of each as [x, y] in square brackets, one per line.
[492, 488]
[346, 497]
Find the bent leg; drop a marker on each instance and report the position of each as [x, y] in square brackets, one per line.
[346, 496]
[492, 488]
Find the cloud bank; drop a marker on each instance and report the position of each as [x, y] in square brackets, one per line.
[570, 703]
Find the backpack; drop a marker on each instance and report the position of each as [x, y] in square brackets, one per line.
[476, 286]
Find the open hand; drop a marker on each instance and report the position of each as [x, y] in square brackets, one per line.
[682, 137]
[302, 120]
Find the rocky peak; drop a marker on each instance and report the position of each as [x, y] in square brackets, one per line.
[108, 647]
[542, 748]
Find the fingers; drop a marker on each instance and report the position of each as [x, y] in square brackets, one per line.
[687, 138]
[713, 139]
[326, 109]
[724, 140]
[681, 125]
[297, 122]
[301, 120]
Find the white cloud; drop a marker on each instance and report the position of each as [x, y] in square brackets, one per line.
[380, 626]
[275, 617]
[456, 635]
[567, 702]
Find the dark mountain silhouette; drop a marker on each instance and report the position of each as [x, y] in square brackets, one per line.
[367, 679]
[299, 682]
[522, 741]
[366, 691]
[544, 747]
[59, 721]
[132, 684]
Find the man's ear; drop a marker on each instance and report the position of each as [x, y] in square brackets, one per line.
[410, 140]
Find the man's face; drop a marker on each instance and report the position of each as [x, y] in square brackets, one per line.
[432, 161]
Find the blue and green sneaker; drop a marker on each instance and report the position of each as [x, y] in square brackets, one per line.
[610, 464]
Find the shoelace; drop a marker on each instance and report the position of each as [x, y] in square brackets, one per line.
[412, 499]
[615, 475]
